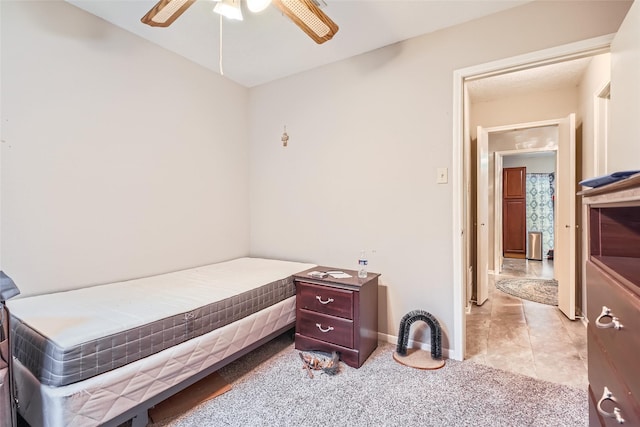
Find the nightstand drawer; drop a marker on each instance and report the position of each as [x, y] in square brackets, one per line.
[325, 328]
[325, 299]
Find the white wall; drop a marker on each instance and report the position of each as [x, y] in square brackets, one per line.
[537, 164]
[367, 135]
[624, 132]
[119, 158]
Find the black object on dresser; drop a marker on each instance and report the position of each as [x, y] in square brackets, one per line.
[613, 303]
[337, 314]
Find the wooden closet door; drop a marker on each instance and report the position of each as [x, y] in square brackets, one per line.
[514, 211]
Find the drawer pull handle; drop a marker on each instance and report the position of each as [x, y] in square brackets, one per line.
[327, 301]
[617, 413]
[329, 329]
[615, 322]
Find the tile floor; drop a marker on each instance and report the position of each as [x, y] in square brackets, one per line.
[522, 336]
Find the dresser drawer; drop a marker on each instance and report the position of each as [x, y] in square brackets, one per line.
[331, 329]
[601, 375]
[622, 345]
[325, 299]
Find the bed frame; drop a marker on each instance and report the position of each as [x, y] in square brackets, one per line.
[139, 414]
[77, 402]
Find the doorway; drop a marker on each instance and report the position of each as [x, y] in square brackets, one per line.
[539, 216]
[464, 194]
[557, 135]
[506, 331]
[539, 190]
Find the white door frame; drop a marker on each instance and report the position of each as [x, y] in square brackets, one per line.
[562, 53]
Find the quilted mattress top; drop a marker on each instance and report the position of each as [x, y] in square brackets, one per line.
[73, 317]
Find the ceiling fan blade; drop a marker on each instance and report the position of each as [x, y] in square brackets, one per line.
[306, 15]
[165, 12]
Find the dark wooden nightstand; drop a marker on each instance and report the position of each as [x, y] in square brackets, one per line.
[337, 314]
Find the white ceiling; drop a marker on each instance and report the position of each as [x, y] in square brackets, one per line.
[267, 46]
[539, 79]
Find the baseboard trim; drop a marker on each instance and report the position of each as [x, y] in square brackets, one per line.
[393, 339]
[516, 255]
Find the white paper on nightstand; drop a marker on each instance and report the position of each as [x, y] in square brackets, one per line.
[338, 274]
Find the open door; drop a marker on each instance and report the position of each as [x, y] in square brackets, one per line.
[482, 208]
[565, 205]
[565, 224]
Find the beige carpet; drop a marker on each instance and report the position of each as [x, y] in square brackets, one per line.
[271, 388]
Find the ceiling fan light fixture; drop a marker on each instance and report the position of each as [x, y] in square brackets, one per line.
[306, 15]
[165, 12]
[229, 9]
[257, 6]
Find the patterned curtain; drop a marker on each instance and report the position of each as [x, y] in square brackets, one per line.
[540, 191]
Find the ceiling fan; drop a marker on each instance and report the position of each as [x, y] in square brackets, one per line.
[304, 13]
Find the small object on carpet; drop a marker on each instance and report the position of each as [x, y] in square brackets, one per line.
[417, 358]
[544, 291]
[319, 361]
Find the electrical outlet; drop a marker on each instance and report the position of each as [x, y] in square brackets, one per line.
[443, 176]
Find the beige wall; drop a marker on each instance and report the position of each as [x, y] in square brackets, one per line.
[595, 79]
[119, 158]
[624, 133]
[367, 135]
[533, 107]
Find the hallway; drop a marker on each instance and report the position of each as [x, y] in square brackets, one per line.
[526, 337]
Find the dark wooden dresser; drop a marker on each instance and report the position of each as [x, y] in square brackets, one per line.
[337, 315]
[613, 303]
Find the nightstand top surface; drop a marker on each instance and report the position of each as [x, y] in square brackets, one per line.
[353, 281]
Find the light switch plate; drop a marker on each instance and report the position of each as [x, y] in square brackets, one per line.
[443, 176]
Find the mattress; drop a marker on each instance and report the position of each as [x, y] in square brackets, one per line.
[99, 399]
[71, 336]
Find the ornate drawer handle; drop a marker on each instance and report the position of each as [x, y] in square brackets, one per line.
[327, 301]
[329, 329]
[615, 322]
[617, 413]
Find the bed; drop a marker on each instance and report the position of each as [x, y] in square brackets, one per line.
[105, 354]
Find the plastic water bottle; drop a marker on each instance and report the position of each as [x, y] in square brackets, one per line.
[362, 265]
